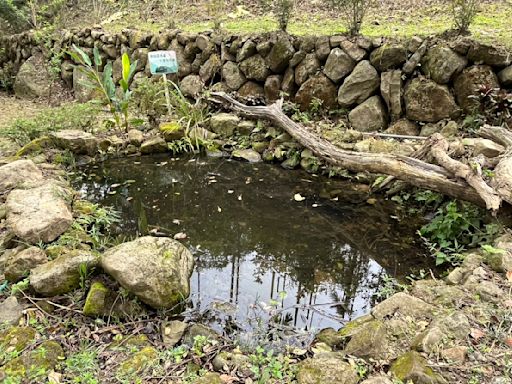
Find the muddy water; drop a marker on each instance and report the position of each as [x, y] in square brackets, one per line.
[260, 253]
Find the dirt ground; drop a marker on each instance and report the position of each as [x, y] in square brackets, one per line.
[12, 108]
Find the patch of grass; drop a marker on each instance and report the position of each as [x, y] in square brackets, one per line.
[82, 367]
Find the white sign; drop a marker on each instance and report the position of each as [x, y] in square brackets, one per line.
[162, 62]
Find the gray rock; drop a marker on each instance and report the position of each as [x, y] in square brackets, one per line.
[195, 330]
[428, 101]
[505, 76]
[233, 76]
[191, 85]
[297, 58]
[251, 90]
[322, 47]
[411, 366]
[319, 87]
[247, 50]
[255, 68]
[61, 275]
[18, 265]
[272, 88]
[66, 72]
[369, 116]
[307, 67]
[156, 270]
[493, 55]
[19, 174]
[39, 214]
[413, 62]
[388, 56]
[76, 141]
[391, 91]
[224, 124]
[359, 85]
[468, 84]
[378, 380]
[353, 50]
[368, 341]
[264, 48]
[210, 68]
[247, 154]
[404, 127]
[404, 304]
[288, 84]
[338, 65]
[154, 145]
[414, 43]
[280, 55]
[486, 147]
[10, 311]
[33, 80]
[441, 64]
[326, 370]
[172, 332]
[135, 137]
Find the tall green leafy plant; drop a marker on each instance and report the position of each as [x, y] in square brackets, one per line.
[117, 99]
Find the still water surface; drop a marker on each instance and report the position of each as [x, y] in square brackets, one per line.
[316, 263]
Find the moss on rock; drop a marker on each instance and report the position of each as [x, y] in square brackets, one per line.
[17, 338]
[139, 362]
[412, 366]
[96, 303]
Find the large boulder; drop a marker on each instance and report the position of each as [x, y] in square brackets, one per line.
[359, 85]
[33, 80]
[309, 66]
[62, 275]
[156, 270]
[19, 264]
[39, 214]
[76, 141]
[338, 65]
[425, 100]
[233, 76]
[369, 116]
[388, 56]
[405, 305]
[391, 91]
[255, 68]
[441, 64]
[469, 82]
[493, 55]
[328, 369]
[319, 87]
[19, 174]
[280, 54]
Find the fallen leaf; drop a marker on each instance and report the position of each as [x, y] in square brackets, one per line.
[219, 209]
[477, 334]
[176, 221]
[298, 197]
[509, 276]
[508, 341]
[180, 236]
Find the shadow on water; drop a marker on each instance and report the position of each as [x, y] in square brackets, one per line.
[258, 251]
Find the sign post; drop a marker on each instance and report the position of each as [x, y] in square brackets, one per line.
[162, 63]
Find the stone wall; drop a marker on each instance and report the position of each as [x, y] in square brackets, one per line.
[380, 82]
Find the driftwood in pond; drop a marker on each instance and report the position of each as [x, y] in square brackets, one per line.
[450, 177]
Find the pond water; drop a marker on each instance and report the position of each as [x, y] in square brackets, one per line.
[259, 252]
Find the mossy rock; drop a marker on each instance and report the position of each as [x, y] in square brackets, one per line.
[352, 326]
[368, 341]
[35, 364]
[209, 378]
[35, 146]
[139, 362]
[84, 207]
[129, 342]
[17, 338]
[96, 303]
[411, 366]
[329, 336]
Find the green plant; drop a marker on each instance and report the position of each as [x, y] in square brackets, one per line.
[463, 13]
[283, 10]
[118, 100]
[267, 367]
[14, 14]
[200, 342]
[455, 227]
[388, 287]
[183, 145]
[353, 12]
[189, 115]
[7, 76]
[149, 99]
[82, 367]
[20, 286]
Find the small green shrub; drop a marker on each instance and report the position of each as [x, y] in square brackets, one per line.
[149, 99]
[456, 227]
[118, 100]
[189, 115]
[283, 11]
[7, 76]
[352, 12]
[463, 13]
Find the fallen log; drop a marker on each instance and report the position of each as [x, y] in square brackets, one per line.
[413, 171]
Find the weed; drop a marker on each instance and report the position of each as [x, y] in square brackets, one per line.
[389, 286]
[353, 12]
[463, 13]
[149, 99]
[188, 115]
[82, 367]
[283, 10]
[20, 286]
[200, 342]
[183, 145]
[455, 227]
[268, 367]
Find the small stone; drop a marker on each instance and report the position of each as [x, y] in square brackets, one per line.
[505, 76]
[353, 50]
[322, 47]
[414, 43]
[10, 311]
[455, 277]
[192, 85]
[19, 264]
[154, 145]
[135, 137]
[76, 141]
[246, 51]
[172, 332]
[326, 370]
[455, 354]
[451, 129]
[486, 147]
[195, 330]
[247, 154]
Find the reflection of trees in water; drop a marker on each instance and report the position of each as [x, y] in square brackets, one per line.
[325, 249]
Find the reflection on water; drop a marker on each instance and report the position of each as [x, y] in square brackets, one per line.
[318, 261]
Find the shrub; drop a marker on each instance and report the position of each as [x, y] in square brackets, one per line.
[353, 12]
[14, 15]
[463, 12]
[283, 10]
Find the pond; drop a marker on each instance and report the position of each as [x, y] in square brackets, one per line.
[306, 250]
